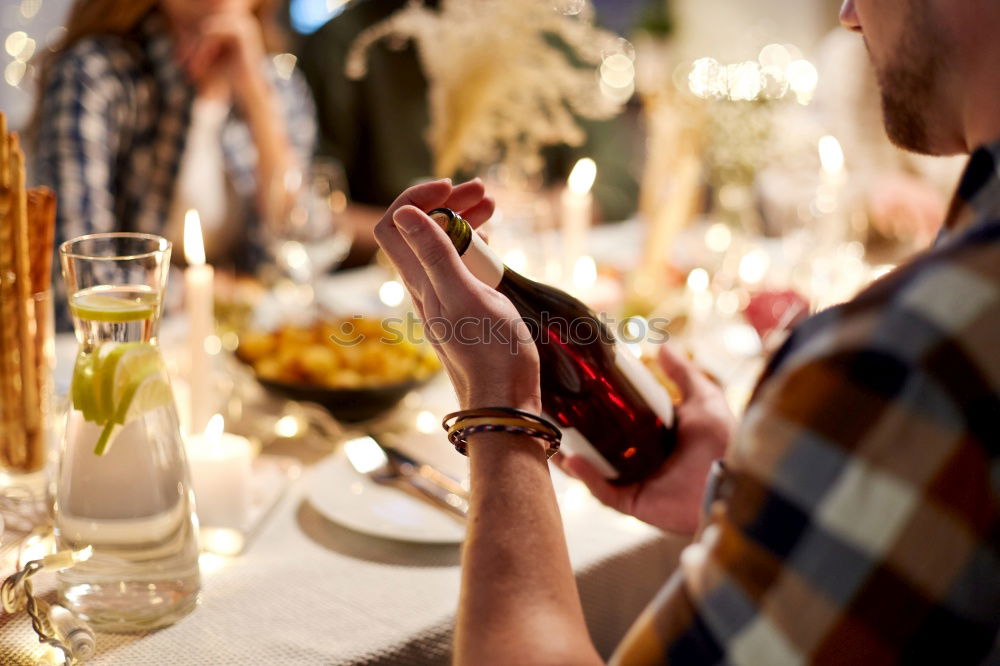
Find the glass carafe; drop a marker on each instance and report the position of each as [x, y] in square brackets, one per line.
[123, 485]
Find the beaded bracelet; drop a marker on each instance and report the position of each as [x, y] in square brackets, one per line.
[461, 443]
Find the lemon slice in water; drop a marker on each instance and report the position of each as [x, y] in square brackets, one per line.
[82, 388]
[146, 394]
[124, 365]
[112, 308]
[118, 383]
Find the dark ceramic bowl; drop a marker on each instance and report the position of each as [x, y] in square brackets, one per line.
[348, 405]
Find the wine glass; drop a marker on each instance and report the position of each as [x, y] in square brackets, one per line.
[308, 226]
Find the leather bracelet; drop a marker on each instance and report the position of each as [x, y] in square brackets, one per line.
[460, 439]
[496, 411]
[462, 424]
[499, 419]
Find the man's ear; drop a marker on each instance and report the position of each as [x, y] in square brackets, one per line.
[849, 16]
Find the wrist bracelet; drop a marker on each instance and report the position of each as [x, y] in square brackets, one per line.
[496, 411]
[466, 423]
[500, 419]
[461, 443]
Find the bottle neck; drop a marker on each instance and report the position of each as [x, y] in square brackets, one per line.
[477, 256]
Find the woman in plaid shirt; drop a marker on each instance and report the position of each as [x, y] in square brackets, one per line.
[148, 108]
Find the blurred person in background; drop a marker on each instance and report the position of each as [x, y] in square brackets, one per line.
[375, 126]
[148, 108]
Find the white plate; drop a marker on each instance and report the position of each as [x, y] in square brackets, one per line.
[358, 503]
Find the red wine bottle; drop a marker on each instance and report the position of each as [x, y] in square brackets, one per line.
[610, 407]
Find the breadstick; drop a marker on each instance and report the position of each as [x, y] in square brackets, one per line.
[5, 376]
[41, 235]
[10, 376]
[4, 152]
[27, 329]
[41, 231]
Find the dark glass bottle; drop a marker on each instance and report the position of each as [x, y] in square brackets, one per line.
[611, 408]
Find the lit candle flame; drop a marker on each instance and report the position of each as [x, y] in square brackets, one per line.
[582, 177]
[194, 244]
[831, 155]
[216, 426]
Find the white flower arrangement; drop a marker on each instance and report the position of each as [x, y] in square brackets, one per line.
[506, 77]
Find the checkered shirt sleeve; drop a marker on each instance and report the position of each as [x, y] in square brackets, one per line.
[859, 522]
[86, 102]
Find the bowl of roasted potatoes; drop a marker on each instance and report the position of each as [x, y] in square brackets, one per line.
[357, 368]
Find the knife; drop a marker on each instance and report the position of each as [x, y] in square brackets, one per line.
[369, 458]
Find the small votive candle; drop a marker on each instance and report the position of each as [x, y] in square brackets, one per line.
[220, 465]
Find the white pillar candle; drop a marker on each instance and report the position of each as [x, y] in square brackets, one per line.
[220, 465]
[576, 211]
[199, 281]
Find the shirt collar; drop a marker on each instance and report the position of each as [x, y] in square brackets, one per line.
[978, 194]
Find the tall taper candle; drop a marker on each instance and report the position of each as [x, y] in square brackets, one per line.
[199, 302]
[576, 210]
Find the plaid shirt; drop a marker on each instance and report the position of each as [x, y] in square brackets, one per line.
[113, 125]
[859, 521]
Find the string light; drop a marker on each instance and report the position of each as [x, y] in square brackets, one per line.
[778, 71]
[14, 73]
[30, 8]
[617, 72]
[63, 632]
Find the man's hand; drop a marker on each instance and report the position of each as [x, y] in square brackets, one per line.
[671, 498]
[487, 370]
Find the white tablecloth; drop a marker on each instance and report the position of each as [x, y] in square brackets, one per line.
[310, 592]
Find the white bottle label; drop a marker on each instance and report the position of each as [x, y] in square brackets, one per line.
[652, 391]
[483, 262]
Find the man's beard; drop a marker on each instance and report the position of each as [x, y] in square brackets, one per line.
[909, 84]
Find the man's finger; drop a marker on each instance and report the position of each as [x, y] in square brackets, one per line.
[480, 213]
[401, 255]
[688, 377]
[464, 196]
[426, 196]
[599, 487]
[434, 250]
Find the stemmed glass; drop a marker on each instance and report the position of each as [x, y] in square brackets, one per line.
[307, 221]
